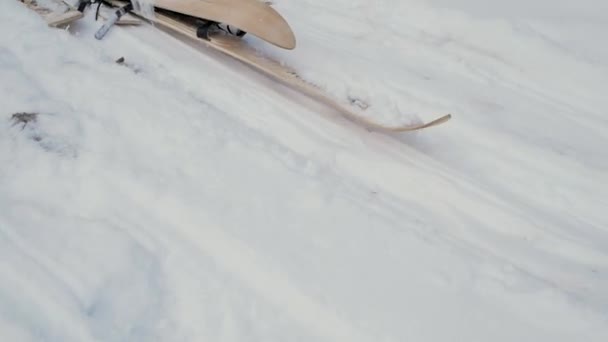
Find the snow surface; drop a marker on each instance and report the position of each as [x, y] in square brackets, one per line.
[183, 197]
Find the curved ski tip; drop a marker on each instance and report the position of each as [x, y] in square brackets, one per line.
[431, 123]
[437, 121]
[291, 44]
[287, 42]
[441, 119]
[284, 38]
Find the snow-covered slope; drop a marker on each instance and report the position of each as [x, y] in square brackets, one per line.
[183, 197]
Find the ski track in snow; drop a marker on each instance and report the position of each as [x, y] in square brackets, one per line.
[183, 197]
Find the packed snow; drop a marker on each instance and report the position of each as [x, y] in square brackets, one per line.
[181, 196]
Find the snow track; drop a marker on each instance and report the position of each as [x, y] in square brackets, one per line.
[183, 197]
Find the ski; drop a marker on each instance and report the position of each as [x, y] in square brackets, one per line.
[255, 17]
[201, 30]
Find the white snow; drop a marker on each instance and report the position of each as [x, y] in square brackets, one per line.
[144, 7]
[183, 197]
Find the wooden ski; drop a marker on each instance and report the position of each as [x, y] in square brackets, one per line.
[252, 16]
[238, 49]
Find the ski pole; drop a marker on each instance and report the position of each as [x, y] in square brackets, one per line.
[110, 22]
